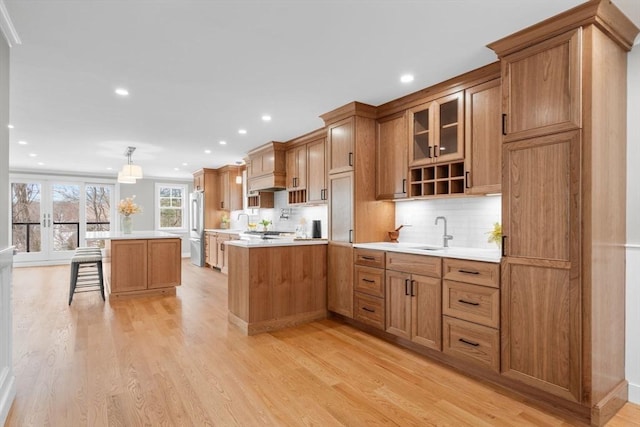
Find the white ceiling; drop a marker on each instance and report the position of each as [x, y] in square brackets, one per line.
[199, 70]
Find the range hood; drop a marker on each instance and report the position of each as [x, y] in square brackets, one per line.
[266, 169]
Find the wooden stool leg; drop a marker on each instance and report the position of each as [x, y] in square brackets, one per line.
[74, 279]
[99, 266]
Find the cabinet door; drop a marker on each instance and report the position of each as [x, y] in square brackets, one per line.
[483, 141]
[223, 190]
[164, 263]
[316, 171]
[220, 248]
[426, 300]
[449, 117]
[341, 207]
[541, 331]
[391, 157]
[341, 136]
[398, 304]
[128, 265]
[297, 168]
[541, 88]
[541, 196]
[421, 134]
[198, 181]
[340, 279]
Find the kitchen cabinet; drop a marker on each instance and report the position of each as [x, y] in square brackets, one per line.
[483, 142]
[342, 214]
[369, 288]
[297, 168]
[260, 199]
[391, 157]
[414, 300]
[340, 278]
[317, 171]
[471, 312]
[340, 137]
[436, 130]
[266, 167]
[563, 274]
[210, 250]
[143, 266]
[198, 180]
[206, 180]
[229, 192]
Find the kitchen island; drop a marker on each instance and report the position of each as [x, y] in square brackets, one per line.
[141, 263]
[276, 283]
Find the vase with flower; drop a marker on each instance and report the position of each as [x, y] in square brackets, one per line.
[126, 208]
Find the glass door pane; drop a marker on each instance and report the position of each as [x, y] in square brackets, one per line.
[65, 208]
[98, 210]
[26, 214]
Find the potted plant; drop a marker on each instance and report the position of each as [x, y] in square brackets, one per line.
[265, 224]
[126, 208]
[495, 235]
[224, 222]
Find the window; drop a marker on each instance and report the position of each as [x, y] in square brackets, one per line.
[171, 205]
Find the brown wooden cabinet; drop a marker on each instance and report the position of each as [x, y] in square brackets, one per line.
[260, 199]
[297, 168]
[436, 130]
[391, 157]
[369, 287]
[206, 180]
[266, 167]
[414, 298]
[229, 192]
[483, 142]
[340, 138]
[210, 249]
[563, 276]
[340, 278]
[341, 212]
[317, 171]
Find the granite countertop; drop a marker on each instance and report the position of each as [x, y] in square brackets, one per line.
[473, 254]
[118, 235]
[280, 241]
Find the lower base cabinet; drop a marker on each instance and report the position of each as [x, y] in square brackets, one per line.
[340, 278]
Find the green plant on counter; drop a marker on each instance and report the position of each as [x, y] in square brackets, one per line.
[265, 223]
[495, 235]
[225, 219]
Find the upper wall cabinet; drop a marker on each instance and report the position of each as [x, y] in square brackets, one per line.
[436, 130]
[541, 88]
[483, 142]
[341, 146]
[317, 171]
[391, 157]
[266, 169]
[306, 169]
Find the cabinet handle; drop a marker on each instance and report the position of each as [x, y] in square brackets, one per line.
[436, 150]
[406, 287]
[413, 282]
[468, 302]
[368, 258]
[221, 205]
[429, 152]
[466, 180]
[504, 250]
[404, 186]
[368, 309]
[475, 344]
[504, 124]
[368, 280]
[350, 159]
[468, 271]
[350, 236]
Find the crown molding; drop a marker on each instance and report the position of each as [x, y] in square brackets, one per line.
[7, 28]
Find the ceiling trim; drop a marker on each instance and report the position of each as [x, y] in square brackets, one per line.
[6, 25]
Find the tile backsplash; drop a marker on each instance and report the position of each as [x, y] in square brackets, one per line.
[469, 220]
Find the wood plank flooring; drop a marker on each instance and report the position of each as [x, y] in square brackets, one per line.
[176, 361]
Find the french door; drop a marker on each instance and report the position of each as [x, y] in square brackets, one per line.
[49, 219]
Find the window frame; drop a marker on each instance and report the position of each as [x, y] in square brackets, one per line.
[158, 208]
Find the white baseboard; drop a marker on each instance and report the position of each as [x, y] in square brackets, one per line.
[186, 254]
[7, 393]
[634, 393]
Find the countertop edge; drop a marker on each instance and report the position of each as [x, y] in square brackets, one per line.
[259, 243]
[471, 254]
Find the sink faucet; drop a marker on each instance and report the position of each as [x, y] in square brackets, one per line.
[245, 214]
[445, 237]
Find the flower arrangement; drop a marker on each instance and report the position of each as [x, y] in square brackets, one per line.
[495, 235]
[128, 207]
[265, 223]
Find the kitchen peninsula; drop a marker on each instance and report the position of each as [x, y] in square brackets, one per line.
[141, 263]
[276, 283]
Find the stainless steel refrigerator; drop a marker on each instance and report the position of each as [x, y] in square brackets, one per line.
[196, 227]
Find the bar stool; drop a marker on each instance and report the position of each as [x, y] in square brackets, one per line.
[86, 272]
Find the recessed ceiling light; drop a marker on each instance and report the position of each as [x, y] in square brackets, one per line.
[176, 169]
[223, 142]
[266, 118]
[109, 168]
[40, 164]
[10, 126]
[185, 164]
[242, 131]
[207, 151]
[122, 91]
[406, 78]
[22, 142]
[32, 154]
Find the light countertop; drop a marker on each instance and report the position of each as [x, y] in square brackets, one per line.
[118, 235]
[266, 243]
[474, 254]
[224, 230]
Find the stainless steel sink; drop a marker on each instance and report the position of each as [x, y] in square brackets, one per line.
[428, 248]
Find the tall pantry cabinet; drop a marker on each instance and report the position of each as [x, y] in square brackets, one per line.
[354, 214]
[564, 179]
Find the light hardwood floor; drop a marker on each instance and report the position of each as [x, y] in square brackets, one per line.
[176, 361]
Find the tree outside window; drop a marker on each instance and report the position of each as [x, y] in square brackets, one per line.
[170, 206]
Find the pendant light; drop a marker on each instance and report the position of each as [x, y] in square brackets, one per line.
[130, 172]
[238, 176]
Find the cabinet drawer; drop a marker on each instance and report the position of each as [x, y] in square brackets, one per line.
[479, 273]
[369, 310]
[415, 264]
[474, 343]
[369, 258]
[475, 303]
[370, 281]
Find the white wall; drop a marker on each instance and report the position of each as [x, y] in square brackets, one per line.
[469, 219]
[144, 190]
[4, 143]
[633, 226]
